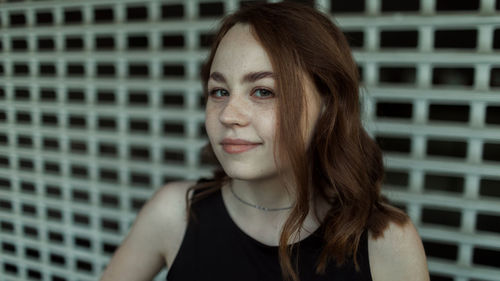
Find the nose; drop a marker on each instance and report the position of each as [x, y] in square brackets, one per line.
[234, 112]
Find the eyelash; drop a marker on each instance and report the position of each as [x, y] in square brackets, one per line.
[212, 93]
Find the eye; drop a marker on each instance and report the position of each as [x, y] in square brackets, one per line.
[263, 93]
[217, 93]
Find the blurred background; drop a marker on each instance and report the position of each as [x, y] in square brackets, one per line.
[100, 105]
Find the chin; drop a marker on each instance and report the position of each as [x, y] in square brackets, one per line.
[249, 172]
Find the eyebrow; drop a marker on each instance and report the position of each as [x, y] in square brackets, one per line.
[249, 77]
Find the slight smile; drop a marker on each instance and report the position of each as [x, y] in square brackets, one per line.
[234, 146]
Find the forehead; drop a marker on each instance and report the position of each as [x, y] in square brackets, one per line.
[239, 51]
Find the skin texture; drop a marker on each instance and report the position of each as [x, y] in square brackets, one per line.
[246, 110]
[398, 255]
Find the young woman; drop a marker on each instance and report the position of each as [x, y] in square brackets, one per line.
[297, 195]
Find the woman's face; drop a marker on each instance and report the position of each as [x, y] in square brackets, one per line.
[241, 107]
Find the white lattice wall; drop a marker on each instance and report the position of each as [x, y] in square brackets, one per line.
[100, 104]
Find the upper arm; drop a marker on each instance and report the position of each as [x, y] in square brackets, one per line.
[142, 253]
[398, 255]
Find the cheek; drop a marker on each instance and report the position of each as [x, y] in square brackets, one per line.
[266, 121]
[211, 120]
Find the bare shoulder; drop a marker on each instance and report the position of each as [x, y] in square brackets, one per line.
[157, 230]
[171, 197]
[164, 213]
[169, 205]
[170, 201]
[398, 254]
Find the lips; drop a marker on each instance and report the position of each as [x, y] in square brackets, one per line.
[233, 146]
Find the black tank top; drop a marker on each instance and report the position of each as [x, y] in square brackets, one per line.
[215, 248]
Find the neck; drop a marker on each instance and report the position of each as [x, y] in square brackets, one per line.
[268, 193]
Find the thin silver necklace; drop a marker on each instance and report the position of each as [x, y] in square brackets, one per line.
[257, 206]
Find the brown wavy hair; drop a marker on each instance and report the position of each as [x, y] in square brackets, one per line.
[343, 164]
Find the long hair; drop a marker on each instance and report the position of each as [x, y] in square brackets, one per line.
[343, 164]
